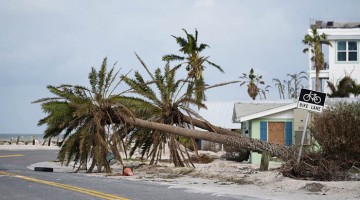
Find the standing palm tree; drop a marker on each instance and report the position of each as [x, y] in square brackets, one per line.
[84, 116]
[314, 41]
[297, 79]
[263, 92]
[194, 62]
[290, 90]
[253, 81]
[281, 88]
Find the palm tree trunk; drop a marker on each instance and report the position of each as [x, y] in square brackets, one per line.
[295, 89]
[238, 141]
[317, 83]
[318, 66]
[281, 93]
[207, 126]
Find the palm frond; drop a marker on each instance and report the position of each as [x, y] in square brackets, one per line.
[93, 79]
[215, 65]
[101, 76]
[173, 57]
[144, 65]
[202, 47]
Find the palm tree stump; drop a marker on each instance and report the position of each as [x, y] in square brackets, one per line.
[265, 158]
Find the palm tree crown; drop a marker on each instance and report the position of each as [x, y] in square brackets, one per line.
[314, 41]
[164, 106]
[296, 78]
[253, 81]
[193, 60]
[84, 115]
[344, 88]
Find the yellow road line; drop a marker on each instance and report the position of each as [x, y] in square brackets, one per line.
[8, 156]
[68, 187]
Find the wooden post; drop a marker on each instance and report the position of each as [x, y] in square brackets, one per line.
[265, 158]
[33, 140]
[17, 140]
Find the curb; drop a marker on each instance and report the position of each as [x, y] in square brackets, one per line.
[44, 169]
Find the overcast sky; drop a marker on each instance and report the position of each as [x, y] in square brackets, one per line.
[45, 42]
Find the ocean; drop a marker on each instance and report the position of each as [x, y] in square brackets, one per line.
[13, 136]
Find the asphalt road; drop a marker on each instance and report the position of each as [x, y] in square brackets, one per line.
[18, 182]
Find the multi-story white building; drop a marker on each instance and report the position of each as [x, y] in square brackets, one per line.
[342, 57]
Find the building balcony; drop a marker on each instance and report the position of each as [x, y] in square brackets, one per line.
[324, 73]
[325, 66]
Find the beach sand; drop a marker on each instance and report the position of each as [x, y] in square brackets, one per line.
[221, 178]
[230, 178]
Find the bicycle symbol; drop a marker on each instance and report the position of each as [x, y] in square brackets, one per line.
[313, 97]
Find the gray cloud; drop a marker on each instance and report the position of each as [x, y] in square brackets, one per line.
[46, 42]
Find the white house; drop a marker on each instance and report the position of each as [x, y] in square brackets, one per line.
[342, 57]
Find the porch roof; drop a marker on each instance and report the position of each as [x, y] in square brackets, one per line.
[245, 111]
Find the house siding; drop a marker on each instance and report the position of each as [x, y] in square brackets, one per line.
[258, 124]
[338, 70]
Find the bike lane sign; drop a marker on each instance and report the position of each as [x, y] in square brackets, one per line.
[311, 100]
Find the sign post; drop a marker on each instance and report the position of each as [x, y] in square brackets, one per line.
[311, 101]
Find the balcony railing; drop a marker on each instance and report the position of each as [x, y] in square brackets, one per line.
[325, 66]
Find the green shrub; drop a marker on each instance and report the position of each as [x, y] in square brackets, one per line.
[337, 131]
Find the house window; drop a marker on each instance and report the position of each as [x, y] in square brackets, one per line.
[347, 51]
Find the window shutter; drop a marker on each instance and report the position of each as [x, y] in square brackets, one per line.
[263, 130]
[288, 133]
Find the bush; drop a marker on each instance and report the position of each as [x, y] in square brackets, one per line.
[337, 132]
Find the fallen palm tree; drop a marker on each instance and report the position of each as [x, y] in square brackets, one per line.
[92, 120]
